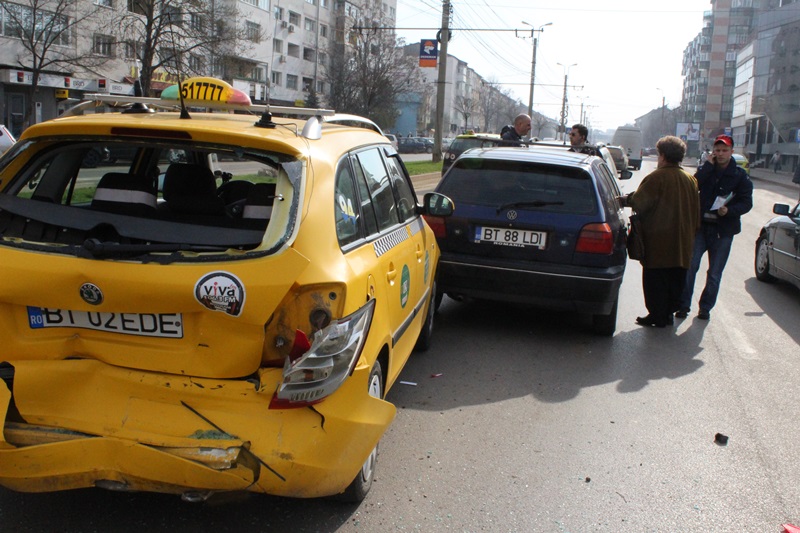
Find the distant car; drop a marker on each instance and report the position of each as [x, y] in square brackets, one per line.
[534, 225]
[743, 162]
[466, 141]
[778, 247]
[6, 139]
[411, 145]
[620, 157]
[429, 144]
[600, 149]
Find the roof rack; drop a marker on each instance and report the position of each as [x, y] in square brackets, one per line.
[212, 93]
[96, 99]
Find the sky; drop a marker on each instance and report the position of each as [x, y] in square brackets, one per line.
[622, 58]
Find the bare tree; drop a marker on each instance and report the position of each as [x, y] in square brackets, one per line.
[368, 75]
[465, 107]
[538, 123]
[47, 30]
[489, 97]
[186, 37]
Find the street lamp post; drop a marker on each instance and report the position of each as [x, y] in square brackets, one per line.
[533, 62]
[564, 103]
[663, 105]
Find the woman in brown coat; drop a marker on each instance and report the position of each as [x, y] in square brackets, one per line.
[669, 208]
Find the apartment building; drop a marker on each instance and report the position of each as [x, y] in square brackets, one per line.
[269, 49]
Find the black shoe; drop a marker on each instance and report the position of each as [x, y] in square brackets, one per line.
[683, 312]
[650, 321]
[704, 315]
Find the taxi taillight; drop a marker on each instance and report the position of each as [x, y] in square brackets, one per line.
[595, 239]
[437, 225]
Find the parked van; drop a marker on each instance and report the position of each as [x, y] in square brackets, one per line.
[631, 138]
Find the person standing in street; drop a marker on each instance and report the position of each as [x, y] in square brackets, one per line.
[726, 193]
[775, 162]
[579, 138]
[515, 133]
[668, 206]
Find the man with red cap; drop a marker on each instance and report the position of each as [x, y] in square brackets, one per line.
[726, 193]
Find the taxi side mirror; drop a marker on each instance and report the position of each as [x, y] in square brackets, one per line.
[625, 175]
[781, 209]
[438, 205]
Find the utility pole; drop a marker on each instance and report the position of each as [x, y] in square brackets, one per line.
[440, 85]
[564, 103]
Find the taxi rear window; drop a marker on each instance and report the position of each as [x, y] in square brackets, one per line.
[135, 194]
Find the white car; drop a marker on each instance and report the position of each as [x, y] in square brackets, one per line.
[392, 138]
[6, 139]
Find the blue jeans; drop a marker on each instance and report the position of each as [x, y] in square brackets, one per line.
[718, 248]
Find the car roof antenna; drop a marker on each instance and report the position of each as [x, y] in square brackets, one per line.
[266, 117]
[184, 111]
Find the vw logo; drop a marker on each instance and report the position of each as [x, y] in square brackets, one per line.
[91, 294]
[511, 215]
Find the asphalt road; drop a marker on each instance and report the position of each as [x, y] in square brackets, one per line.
[520, 420]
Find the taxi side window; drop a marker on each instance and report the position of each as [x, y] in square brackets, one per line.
[379, 186]
[367, 210]
[406, 201]
[346, 206]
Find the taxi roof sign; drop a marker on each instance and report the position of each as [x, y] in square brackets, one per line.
[205, 90]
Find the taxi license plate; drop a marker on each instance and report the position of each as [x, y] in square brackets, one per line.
[511, 237]
[169, 325]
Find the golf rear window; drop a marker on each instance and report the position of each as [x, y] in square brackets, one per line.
[490, 182]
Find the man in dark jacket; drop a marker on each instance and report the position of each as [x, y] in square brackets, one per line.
[515, 133]
[726, 193]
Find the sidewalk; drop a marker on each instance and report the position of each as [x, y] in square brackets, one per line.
[782, 177]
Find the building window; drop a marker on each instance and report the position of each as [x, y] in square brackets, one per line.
[308, 83]
[14, 19]
[276, 78]
[133, 50]
[312, 2]
[196, 64]
[294, 18]
[324, 3]
[310, 24]
[258, 74]
[323, 30]
[104, 3]
[173, 14]
[291, 81]
[263, 4]
[278, 13]
[253, 31]
[320, 86]
[137, 6]
[309, 54]
[197, 22]
[293, 50]
[323, 58]
[277, 46]
[103, 45]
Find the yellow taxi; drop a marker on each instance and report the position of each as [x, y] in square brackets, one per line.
[743, 162]
[220, 305]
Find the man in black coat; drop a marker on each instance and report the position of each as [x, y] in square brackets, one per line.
[726, 193]
[515, 133]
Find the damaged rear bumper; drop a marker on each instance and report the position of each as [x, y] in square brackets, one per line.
[82, 423]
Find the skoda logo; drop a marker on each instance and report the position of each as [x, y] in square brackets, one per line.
[511, 215]
[91, 294]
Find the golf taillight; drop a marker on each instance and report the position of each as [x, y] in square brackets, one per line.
[595, 239]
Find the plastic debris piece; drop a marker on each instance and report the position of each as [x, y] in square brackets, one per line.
[789, 528]
[722, 440]
[436, 375]
[408, 383]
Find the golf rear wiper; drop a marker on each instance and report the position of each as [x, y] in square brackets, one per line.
[98, 248]
[535, 203]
